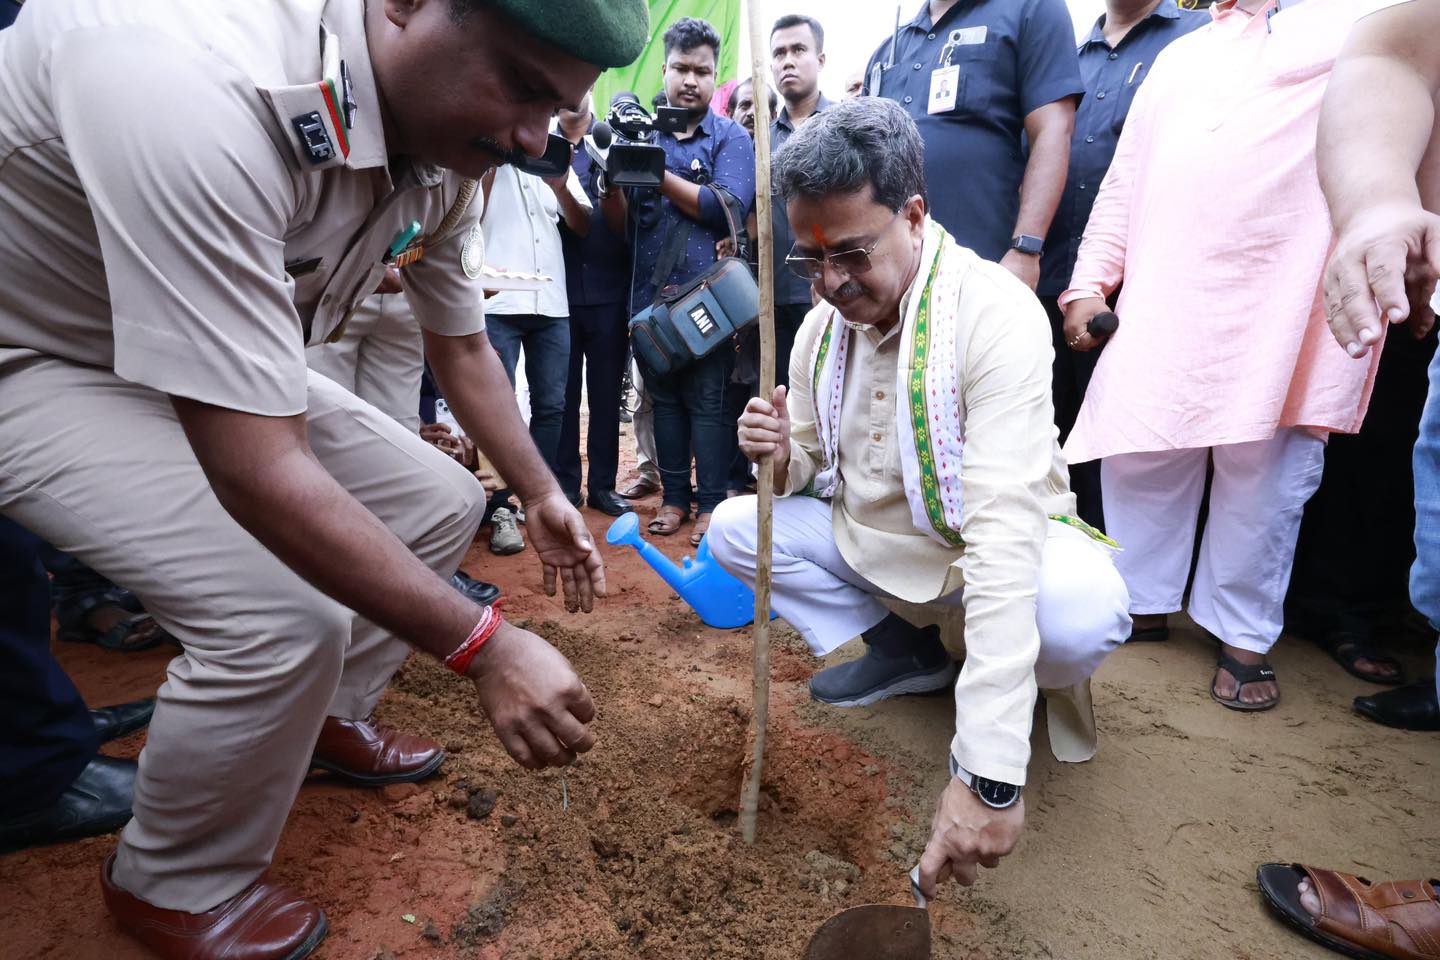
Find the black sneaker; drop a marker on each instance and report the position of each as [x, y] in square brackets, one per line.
[873, 678]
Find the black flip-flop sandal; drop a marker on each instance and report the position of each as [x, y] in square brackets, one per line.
[73, 621]
[1243, 673]
[1347, 649]
[1149, 635]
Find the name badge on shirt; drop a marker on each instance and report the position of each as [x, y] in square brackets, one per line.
[944, 88]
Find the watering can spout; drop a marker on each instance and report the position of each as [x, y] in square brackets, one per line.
[714, 594]
[625, 531]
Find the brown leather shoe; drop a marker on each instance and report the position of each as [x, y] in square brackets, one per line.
[265, 921]
[366, 753]
[1395, 920]
[641, 486]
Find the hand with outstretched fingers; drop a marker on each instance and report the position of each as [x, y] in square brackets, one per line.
[967, 834]
[1383, 270]
[536, 703]
[566, 549]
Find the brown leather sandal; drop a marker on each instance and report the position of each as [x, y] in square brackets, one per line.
[1395, 920]
[697, 532]
[667, 521]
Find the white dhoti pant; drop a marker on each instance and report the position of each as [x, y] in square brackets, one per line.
[1257, 496]
[1080, 604]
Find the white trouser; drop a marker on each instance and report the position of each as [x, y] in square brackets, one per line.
[1152, 502]
[1080, 604]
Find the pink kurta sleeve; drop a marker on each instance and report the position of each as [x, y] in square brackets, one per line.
[1100, 265]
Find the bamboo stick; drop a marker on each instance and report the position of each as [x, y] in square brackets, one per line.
[765, 487]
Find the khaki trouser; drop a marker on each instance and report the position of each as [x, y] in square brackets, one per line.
[642, 422]
[380, 357]
[101, 468]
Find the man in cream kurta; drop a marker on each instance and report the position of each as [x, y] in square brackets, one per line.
[870, 551]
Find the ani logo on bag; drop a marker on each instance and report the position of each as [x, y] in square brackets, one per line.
[702, 319]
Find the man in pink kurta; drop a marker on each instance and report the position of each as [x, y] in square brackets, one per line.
[1212, 216]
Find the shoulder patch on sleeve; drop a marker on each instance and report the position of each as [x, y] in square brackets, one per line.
[472, 253]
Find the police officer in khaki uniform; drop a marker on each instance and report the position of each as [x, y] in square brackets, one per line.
[189, 195]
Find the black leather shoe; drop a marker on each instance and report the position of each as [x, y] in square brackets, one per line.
[478, 590]
[1411, 707]
[607, 502]
[114, 722]
[97, 802]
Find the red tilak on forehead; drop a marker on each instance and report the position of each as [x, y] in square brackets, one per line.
[819, 236]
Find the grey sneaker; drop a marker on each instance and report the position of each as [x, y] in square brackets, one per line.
[505, 536]
[873, 678]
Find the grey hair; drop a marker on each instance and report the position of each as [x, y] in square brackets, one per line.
[855, 142]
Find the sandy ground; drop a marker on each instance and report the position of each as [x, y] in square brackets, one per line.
[1148, 851]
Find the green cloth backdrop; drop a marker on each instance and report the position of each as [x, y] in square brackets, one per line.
[643, 76]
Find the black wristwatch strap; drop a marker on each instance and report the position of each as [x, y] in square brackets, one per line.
[1028, 244]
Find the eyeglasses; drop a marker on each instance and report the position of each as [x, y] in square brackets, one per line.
[852, 263]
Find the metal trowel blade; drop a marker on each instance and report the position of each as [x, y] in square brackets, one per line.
[875, 931]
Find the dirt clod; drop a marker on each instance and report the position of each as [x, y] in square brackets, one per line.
[395, 792]
[481, 804]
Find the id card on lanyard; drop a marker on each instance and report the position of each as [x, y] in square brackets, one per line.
[945, 79]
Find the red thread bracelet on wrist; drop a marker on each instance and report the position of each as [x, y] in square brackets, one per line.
[459, 661]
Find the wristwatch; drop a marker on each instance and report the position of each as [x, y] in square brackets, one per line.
[995, 794]
[1027, 244]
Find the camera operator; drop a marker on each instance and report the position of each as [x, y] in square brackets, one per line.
[676, 229]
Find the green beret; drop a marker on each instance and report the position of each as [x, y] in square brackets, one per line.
[606, 33]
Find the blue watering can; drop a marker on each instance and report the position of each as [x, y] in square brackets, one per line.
[720, 599]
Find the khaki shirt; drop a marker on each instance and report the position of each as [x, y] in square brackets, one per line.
[159, 213]
[1012, 474]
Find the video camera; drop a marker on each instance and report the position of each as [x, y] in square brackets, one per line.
[623, 143]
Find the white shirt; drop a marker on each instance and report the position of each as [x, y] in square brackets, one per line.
[522, 233]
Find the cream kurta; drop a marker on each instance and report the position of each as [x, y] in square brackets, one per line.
[1012, 477]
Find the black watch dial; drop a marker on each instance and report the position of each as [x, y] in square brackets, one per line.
[994, 793]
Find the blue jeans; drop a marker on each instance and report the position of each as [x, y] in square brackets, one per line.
[1425, 574]
[547, 367]
[46, 737]
[600, 342]
[690, 414]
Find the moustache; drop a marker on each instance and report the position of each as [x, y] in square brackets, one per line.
[848, 290]
[502, 153]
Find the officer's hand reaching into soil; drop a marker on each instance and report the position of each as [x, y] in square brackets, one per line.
[535, 701]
